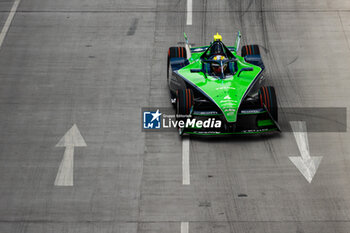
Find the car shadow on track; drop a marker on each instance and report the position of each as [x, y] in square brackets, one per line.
[236, 138]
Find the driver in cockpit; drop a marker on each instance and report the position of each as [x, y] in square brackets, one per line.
[217, 53]
[220, 53]
[216, 68]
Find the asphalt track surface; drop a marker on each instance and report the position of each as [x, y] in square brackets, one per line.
[96, 63]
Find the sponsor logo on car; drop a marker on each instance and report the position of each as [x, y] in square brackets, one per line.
[225, 88]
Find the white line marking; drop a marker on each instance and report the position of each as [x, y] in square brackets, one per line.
[189, 12]
[8, 21]
[306, 164]
[64, 175]
[185, 161]
[184, 227]
[70, 140]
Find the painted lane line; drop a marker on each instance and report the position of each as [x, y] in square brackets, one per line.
[189, 12]
[306, 164]
[184, 227]
[70, 140]
[185, 161]
[8, 21]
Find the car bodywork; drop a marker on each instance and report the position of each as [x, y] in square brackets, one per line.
[230, 97]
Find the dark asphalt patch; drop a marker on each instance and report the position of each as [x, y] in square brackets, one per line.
[133, 27]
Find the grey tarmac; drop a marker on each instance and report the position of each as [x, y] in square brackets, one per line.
[97, 63]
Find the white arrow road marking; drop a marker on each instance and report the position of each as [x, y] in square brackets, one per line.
[185, 161]
[184, 227]
[189, 12]
[306, 164]
[8, 21]
[70, 140]
[65, 171]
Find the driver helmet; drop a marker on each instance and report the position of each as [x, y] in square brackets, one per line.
[217, 67]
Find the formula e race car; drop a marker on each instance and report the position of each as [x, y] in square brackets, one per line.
[217, 92]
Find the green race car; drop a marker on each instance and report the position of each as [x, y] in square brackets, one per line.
[218, 92]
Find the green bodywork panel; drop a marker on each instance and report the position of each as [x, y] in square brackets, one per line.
[226, 93]
[266, 122]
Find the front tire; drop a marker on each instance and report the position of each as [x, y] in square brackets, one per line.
[175, 52]
[267, 97]
[250, 50]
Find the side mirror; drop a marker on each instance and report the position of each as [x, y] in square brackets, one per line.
[196, 70]
[245, 69]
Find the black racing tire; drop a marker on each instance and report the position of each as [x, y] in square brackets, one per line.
[267, 97]
[175, 52]
[184, 101]
[250, 50]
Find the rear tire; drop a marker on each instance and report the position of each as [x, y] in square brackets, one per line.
[184, 101]
[267, 97]
[250, 50]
